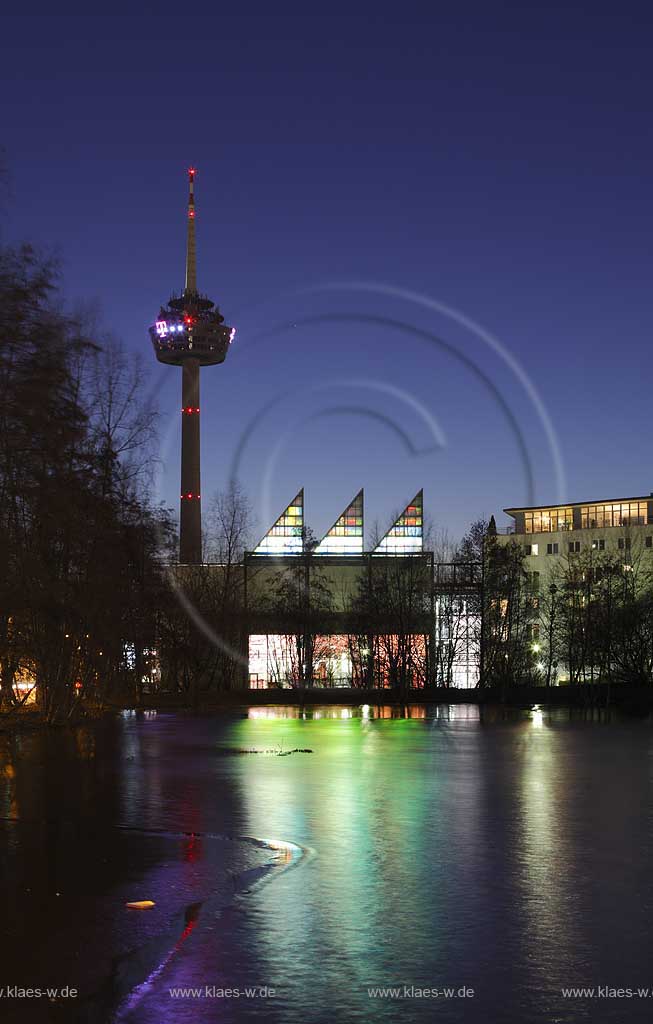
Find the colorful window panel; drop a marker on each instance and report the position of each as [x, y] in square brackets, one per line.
[286, 536]
[406, 534]
[346, 535]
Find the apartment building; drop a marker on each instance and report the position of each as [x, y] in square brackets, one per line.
[612, 525]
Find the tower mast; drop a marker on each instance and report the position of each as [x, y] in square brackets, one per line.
[191, 258]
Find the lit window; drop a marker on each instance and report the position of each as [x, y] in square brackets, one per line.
[621, 513]
[285, 535]
[549, 520]
[405, 534]
[346, 535]
[598, 545]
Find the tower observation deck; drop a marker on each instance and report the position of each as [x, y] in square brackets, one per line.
[190, 332]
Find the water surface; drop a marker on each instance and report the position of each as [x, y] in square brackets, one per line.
[508, 853]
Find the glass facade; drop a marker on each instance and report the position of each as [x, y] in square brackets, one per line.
[340, 660]
[406, 534]
[587, 517]
[346, 535]
[274, 661]
[286, 537]
[548, 520]
[622, 513]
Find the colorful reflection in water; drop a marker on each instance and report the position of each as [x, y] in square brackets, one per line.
[435, 712]
[503, 850]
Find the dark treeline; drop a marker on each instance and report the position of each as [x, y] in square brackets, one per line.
[80, 567]
[202, 628]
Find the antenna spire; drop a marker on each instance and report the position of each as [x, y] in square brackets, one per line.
[191, 262]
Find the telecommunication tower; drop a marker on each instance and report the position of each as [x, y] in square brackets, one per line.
[190, 332]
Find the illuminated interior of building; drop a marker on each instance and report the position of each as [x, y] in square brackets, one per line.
[548, 520]
[346, 535]
[286, 535]
[625, 513]
[595, 515]
[405, 536]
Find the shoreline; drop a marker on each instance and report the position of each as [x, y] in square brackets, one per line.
[635, 700]
[601, 695]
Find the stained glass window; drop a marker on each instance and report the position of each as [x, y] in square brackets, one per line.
[405, 535]
[285, 537]
[346, 535]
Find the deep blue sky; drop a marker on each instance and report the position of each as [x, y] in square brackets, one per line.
[496, 159]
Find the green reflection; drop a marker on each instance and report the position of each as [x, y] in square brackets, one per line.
[386, 816]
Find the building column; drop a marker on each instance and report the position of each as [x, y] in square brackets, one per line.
[190, 520]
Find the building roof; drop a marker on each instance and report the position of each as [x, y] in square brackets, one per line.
[576, 504]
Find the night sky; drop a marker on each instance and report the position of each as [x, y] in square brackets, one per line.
[498, 162]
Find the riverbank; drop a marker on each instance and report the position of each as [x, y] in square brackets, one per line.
[637, 700]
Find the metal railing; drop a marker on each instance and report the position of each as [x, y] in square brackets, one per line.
[598, 524]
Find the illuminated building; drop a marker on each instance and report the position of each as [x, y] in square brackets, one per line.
[571, 546]
[336, 615]
[286, 535]
[190, 332]
[346, 535]
[619, 525]
[406, 534]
